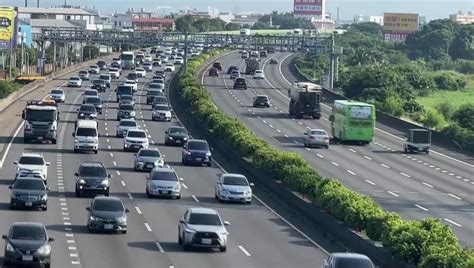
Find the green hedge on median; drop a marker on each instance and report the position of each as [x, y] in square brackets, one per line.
[427, 243]
[8, 87]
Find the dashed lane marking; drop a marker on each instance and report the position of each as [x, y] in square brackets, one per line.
[370, 182]
[195, 198]
[427, 184]
[147, 226]
[453, 222]
[160, 248]
[420, 207]
[456, 197]
[139, 212]
[392, 193]
[244, 251]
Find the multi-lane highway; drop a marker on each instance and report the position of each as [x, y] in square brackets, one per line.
[416, 186]
[258, 237]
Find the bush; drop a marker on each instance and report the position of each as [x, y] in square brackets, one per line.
[465, 66]
[432, 119]
[449, 80]
[464, 116]
[6, 88]
[446, 109]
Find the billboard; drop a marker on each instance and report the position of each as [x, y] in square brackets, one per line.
[400, 22]
[7, 26]
[308, 8]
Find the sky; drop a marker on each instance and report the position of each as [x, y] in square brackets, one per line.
[348, 8]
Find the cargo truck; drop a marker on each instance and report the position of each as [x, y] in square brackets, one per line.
[305, 99]
[251, 65]
[41, 121]
[418, 140]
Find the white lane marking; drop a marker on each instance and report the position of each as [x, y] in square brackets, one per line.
[130, 196]
[195, 198]
[72, 248]
[286, 136]
[71, 241]
[69, 235]
[370, 182]
[111, 155]
[392, 193]
[406, 175]
[458, 177]
[279, 131]
[115, 163]
[10, 144]
[351, 172]
[73, 255]
[67, 223]
[352, 150]
[420, 207]
[454, 196]
[118, 173]
[138, 210]
[320, 155]
[334, 163]
[184, 185]
[453, 222]
[244, 251]
[160, 248]
[368, 158]
[385, 166]
[123, 183]
[264, 121]
[427, 184]
[108, 140]
[308, 149]
[270, 126]
[109, 147]
[147, 226]
[75, 262]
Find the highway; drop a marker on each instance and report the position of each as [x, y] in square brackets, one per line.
[258, 237]
[416, 186]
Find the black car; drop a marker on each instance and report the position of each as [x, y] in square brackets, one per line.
[213, 72]
[102, 65]
[231, 69]
[240, 83]
[96, 101]
[176, 136]
[132, 76]
[125, 111]
[29, 192]
[160, 73]
[87, 111]
[196, 151]
[273, 61]
[263, 54]
[27, 243]
[261, 101]
[115, 65]
[92, 177]
[152, 94]
[107, 213]
[160, 100]
[217, 65]
[99, 84]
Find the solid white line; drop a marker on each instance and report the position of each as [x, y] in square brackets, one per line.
[457, 197]
[130, 196]
[244, 251]
[10, 144]
[370, 182]
[138, 210]
[406, 175]
[426, 184]
[453, 222]
[123, 183]
[159, 247]
[334, 163]
[184, 185]
[195, 198]
[420, 207]
[351, 172]
[147, 226]
[392, 193]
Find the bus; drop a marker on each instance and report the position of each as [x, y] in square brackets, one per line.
[127, 60]
[353, 121]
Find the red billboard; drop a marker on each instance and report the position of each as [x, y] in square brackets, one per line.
[308, 8]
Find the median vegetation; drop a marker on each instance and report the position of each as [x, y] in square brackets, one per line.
[8, 87]
[426, 243]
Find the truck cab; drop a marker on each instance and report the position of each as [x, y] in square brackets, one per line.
[418, 140]
[41, 121]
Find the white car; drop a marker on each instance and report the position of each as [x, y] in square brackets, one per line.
[233, 187]
[114, 73]
[132, 83]
[117, 60]
[157, 86]
[74, 81]
[94, 69]
[147, 159]
[161, 112]
[140, 72]
[164, 59]
[135, 140]
[170, 67]
[178, 61]
[124, 126]
[148, 58]
[202, 227]
[148, 66]
[32, 162]
[163, 181]
[259, 74]
[57, 95]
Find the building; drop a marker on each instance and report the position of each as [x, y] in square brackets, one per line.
[67, 14]
[324, 25]
[397, 26]
[362, 18]
[153, 24]
[309, 9]
[462, 18]
[139, 14]
[121, 22]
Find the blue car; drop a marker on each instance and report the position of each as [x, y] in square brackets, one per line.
[196, 152]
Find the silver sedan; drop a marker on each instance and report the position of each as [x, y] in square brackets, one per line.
[316, 137]
[147, 159]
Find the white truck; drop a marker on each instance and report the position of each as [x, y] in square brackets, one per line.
[418, 140]
[245, 32]
[41, 121]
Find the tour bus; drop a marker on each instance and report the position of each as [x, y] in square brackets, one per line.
[127, 60]
[353, 121]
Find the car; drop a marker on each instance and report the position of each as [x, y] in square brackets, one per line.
[176, 136]
[87, 111]
[127, 99]
[156, 86]
[163, 182]
[161, 112]
[152, 94]
[261, 101]
[231, 69]
[178, 60]
[140, 72]
[202, 227]
[131, 83]
[31, 236]
[29, 192]
[258, 74]
[32, 162]
[116, 60]
[114, 73]
[316, 137]
[74, 81]
[160, 100]
[96, 101]
[132, 76]
[263, 54]
[169, 67]
[99, 84]
[273, 61]
[94, 69]
[213, 72]
[235, 74]
[196, 151]
[217, 65]
[156, 62]
[90, 93]
[164, 59]
[346, 259]
[148, 66]
[135, 139]
[244, 55]
[148, 58]
[57, 95]
[125, 125]
[92, 177]
[233, 187]
[116, 64]
[240, 83]
[158, 81]
[102, 64]
[126, 111]
[84, 75]
[107, 78]
[107, 213]
[148, 158]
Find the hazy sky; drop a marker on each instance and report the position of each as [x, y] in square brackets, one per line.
[431, 9]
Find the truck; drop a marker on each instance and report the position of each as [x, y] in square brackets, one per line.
[305, 99]
[41, 121]
[245, 32]
[418, 140]
[251, 65]
[127, 60]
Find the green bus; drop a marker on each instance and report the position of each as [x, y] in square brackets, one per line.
[353, 121]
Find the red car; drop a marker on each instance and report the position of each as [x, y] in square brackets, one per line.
[213, 72]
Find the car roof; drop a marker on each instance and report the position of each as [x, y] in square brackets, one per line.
[86, 124]
[92, 164]
[106, 198]
[317, 129]
[136, 130]
[196, 140]
[233, 175]
[28, 224]
[202, 210]
[31, 155]
[349, 255]
[261, 95]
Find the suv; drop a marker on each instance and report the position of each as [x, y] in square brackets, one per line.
[261, 101]
[217, 65]
[126, 111]
[92, 176]
[213, 72]
[99, 85]
[163, 181]
[96, 101]
[127, 99]
[132, 76]
[263, 54]
[196, 151]
[107, 78]
[124, 126]
[147, 159]
[346, 259]
[135, 140]
[176, 135]
[102, 65]
[32, 162]
[202, 227]
[161, 112]
[240, 83]
[107, 213]
[29, 193]
[152, 94]
[84, 75]
[231, 69]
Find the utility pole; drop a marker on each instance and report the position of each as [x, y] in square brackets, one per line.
[185, 51]
[22, 35]
[54, 56]
[333, 63]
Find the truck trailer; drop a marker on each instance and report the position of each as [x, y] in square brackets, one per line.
[305, 99]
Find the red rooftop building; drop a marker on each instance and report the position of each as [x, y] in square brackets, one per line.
[153, 24]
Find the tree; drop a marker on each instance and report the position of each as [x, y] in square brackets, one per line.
[232, 26]
[464, 116]
[184, 24]
[260, 25]
[368, 28]
[461, 45]
[90, 52]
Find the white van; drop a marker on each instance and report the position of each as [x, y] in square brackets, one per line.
[86, 136]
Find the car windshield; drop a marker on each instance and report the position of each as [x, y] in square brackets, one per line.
[93, 100]
[126, 107]
[25, 184]
[104, 77]
[28, 233]
[91, 92]
[198, 145]
[136, 134]
[107, 205]
[130, 82]
[154, 93]
[86, 132]
[126, 90]
[159, 86]
[318, 133]
[98, 82]
[204, 219]
[87, 109]
[75, 78]
[140, 70]
[128, 123]
[92, 171]
[113, 70]
[132, 76]
[154, 153]
[161, 100]
[93, 67]
[177, 130]
[353, 263]
[235, 180]
[126, 97]
[164, 176]
[57, 91]
[262, 98]
[83, 72]
[31, 160]
[161, 108]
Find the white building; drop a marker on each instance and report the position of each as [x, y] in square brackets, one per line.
[462, 18]
[363, 18]
[69, 14]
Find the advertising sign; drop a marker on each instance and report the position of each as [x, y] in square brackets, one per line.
[308, 8]
[7, 26]
[400, 22]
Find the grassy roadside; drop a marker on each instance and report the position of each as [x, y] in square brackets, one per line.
[8, 87]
